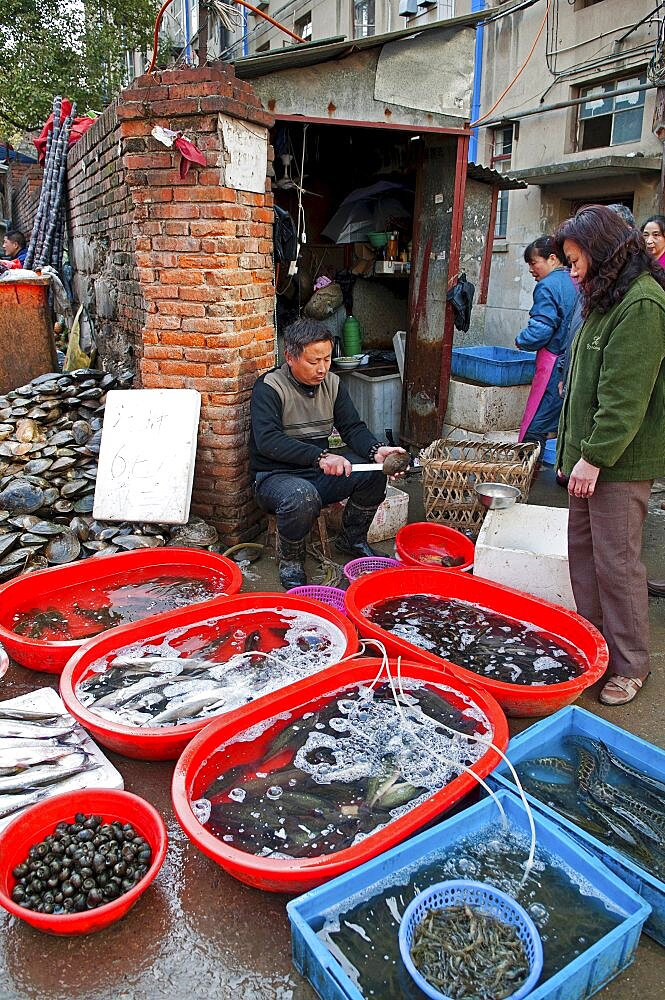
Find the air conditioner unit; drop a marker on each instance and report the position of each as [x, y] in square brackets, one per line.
[408, 8]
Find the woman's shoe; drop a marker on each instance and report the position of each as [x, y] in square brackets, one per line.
[620, 690]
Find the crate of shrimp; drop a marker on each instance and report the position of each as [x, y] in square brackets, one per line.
[452, 468]
[345, 933]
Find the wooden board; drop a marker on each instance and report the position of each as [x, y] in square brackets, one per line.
[146, 459]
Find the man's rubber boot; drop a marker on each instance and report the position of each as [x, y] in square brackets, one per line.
[352, 540]
[291, 557]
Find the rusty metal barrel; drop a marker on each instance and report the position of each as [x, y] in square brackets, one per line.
[27, 345]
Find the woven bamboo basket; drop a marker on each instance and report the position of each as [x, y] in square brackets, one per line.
[452, 467]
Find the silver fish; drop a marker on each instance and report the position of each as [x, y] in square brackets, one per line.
[17, 714]
[9, 728]
[49, 774]
[12, 803]
[190, 707]
[23, 758]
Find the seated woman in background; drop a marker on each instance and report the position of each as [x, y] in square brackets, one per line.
[653, 231]
[546, 332]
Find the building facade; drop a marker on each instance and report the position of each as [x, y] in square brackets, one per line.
[576, 125]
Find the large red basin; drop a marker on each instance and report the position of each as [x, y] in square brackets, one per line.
[46, 587]
[195, 770]
[570, 630]
[198, 624]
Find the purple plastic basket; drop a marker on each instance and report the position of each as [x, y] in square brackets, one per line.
[369, 564]
[327, 595]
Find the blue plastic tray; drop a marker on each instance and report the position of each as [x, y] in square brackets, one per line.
[581, 978]
[493, 365]
[571, 721]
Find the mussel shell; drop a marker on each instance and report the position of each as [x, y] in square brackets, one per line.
[106, 534]
[135, 542]
[35, 562]
[63, 506]
[24, 521]
[8, 541]
[82, 506]
[31, 541]
[63, 548]
[108, 550]
[22, 497]
[28, 430]
[47, 528]
[15, 557]
[65, 462]
[81, 527]
[74, 486]
[50, 496]
[38, 465]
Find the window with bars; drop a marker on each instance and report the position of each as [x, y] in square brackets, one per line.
[502, 151]
[364, 22]
[610, 121]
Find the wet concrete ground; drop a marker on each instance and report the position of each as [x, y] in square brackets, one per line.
[197, 933]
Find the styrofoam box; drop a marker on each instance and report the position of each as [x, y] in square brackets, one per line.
[526, 547]
[581, 978]
[103, 776]
[378, 400]
[478, 407]
[545, 738]
[392, 515]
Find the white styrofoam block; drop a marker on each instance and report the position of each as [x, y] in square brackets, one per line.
[147, 454]
[526, 547]
[482, 407]
[104, 776]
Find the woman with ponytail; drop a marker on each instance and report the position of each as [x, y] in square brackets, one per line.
[611, 440]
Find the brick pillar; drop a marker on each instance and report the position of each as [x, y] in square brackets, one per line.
[203, 255]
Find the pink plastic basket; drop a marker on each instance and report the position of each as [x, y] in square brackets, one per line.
[327, 595]
[369, 564]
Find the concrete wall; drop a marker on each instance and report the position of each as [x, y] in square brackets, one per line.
[548, 138]
[176, 272]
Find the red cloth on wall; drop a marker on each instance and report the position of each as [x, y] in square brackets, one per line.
[79, 126]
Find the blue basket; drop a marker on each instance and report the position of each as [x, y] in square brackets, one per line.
[582, 977]
[574, 721]
[487, 900]
[493, 365]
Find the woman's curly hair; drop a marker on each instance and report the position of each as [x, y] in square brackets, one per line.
[616, 254]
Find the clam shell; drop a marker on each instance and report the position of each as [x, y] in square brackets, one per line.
[35, 562]
[135, 542]
[81, 527]
[63, 548]
[38, 465]
[63, 506]
[82, 506]
[8, 541]
[28, 430]
[46, 528]
[28, 540]
[21, 497]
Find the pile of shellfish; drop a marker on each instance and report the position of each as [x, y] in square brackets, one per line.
[50, 435]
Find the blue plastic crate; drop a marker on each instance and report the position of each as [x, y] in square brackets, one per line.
[494, 365]
[581, 978]
[543, 738]
[549, 454]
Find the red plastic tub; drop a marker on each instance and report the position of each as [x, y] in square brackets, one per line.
[424, 544]
[197, 625]
[90, 581]
[197, 768]
[570, 630]
[36, 823]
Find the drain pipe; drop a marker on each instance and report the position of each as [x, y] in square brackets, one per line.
[477, 80]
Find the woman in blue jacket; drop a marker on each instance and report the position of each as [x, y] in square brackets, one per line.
[554, 298]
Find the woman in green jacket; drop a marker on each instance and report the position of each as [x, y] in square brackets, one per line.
[611, 440]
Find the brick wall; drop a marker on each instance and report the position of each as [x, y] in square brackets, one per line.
[177, 273]
[24, 182]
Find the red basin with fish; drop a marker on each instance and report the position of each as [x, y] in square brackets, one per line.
[260, 617]
[268, 717]
[572, 632]
[425, 544]
[82, 598]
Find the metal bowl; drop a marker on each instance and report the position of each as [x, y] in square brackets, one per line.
[497, 496]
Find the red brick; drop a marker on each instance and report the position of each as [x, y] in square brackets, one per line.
[178, 276]
[147, 161]
[189, 368]
[181, 309]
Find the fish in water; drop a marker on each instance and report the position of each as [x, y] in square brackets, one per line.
[335, 775]
[476, 638]
[464, 952]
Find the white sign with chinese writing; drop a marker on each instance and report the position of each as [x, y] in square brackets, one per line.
[245, 155]
[147, 454]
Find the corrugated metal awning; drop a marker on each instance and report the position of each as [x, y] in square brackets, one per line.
[488, 176]
[311, 53]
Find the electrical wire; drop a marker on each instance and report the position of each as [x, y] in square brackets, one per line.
[519, 72]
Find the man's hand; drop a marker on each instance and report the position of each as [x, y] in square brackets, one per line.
[335, 465]
[382, 454]
[582, 482]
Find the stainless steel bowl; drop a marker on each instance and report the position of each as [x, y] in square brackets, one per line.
[497, 496]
